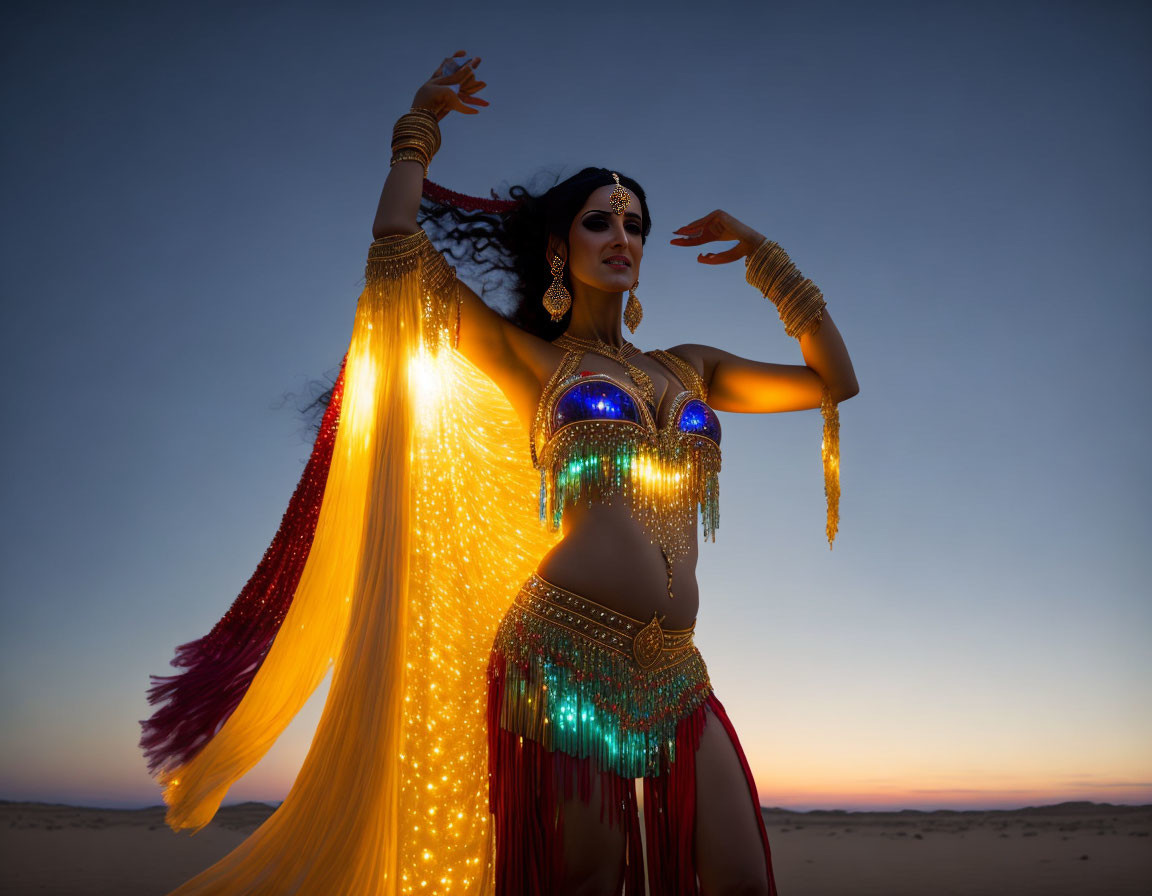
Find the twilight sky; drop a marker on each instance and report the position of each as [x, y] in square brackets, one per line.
[190, 190]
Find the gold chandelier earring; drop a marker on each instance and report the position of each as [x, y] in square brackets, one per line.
[633, 313]
[557, 300]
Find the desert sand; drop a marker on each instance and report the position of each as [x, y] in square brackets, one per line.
[1085, 849]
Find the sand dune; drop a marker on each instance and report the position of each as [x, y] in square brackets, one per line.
[1085, 849]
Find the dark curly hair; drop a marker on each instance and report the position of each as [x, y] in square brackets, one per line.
[505, 251]
[513, 244]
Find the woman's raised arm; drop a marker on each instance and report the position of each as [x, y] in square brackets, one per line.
[759, 387]
[400, 198]
[508, 355]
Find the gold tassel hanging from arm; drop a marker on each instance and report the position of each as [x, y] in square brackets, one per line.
[830, 454]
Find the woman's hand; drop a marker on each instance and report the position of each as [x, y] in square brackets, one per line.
[438, 93]
[719, 225]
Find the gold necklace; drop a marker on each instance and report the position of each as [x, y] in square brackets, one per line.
[620, 355]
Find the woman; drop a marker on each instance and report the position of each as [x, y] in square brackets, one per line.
[520, 780]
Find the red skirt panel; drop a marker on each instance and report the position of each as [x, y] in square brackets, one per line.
[528, 779]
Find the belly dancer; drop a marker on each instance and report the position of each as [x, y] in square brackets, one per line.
[513, 724]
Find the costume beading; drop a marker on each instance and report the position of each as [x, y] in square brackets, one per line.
[415, 523]
[601, 441]
[578, 690]
[583, 678]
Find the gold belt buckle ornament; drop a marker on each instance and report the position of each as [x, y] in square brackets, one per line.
[649, 643]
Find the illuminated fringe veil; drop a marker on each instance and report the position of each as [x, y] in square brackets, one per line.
[427, 527]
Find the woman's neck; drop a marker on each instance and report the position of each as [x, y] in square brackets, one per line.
[596, 315]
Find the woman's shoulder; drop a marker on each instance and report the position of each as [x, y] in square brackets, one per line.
[692, 354]
[537, 354]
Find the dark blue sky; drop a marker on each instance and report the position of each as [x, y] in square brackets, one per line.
[189, 192]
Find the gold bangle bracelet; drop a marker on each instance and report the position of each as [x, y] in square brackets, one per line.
[418, 124]
[416, 137]
[798, 300]
[410, 155]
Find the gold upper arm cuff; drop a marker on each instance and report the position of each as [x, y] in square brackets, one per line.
[396, 255]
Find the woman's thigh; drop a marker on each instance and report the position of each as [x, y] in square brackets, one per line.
[729, 852]
[594, 851]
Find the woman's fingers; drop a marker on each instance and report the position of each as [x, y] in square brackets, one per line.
[463, 72]
[716, 225]
[699, 232]
[472, 86]
[446, 66]
[458, 104]
[695, 235]
[724, 257]
[455, 85]
[715, 222]
[468, 91]
[691, 240]
[702, 220]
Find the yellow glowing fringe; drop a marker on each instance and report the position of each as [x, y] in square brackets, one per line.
[663, 476]
[830, 454]
[427, 528]
[663, 480]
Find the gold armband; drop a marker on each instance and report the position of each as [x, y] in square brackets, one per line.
[797, 299]
[396, 255]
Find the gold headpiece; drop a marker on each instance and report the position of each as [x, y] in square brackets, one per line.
[619, 197]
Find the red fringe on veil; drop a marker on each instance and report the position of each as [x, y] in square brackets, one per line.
[444, 196]
[219, 667]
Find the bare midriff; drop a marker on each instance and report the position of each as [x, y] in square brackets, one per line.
[606, 556]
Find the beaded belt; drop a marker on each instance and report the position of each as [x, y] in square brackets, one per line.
[649, 644]
[582, 678]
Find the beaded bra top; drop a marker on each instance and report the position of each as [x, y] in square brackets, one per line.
[599, 439]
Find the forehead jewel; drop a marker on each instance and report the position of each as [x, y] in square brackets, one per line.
[619, 198]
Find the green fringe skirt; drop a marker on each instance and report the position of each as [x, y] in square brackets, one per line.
[581, 678]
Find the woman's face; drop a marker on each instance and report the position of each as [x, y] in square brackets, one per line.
[598, 236]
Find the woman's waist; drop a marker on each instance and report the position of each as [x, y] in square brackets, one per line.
[609, 557]
[630, 580]
[651, 643]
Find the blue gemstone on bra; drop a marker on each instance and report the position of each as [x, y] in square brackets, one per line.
[697, 418]
[595, 400]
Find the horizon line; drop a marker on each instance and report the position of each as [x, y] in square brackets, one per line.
[763, 808]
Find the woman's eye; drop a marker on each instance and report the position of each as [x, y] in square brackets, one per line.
[601, 224]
